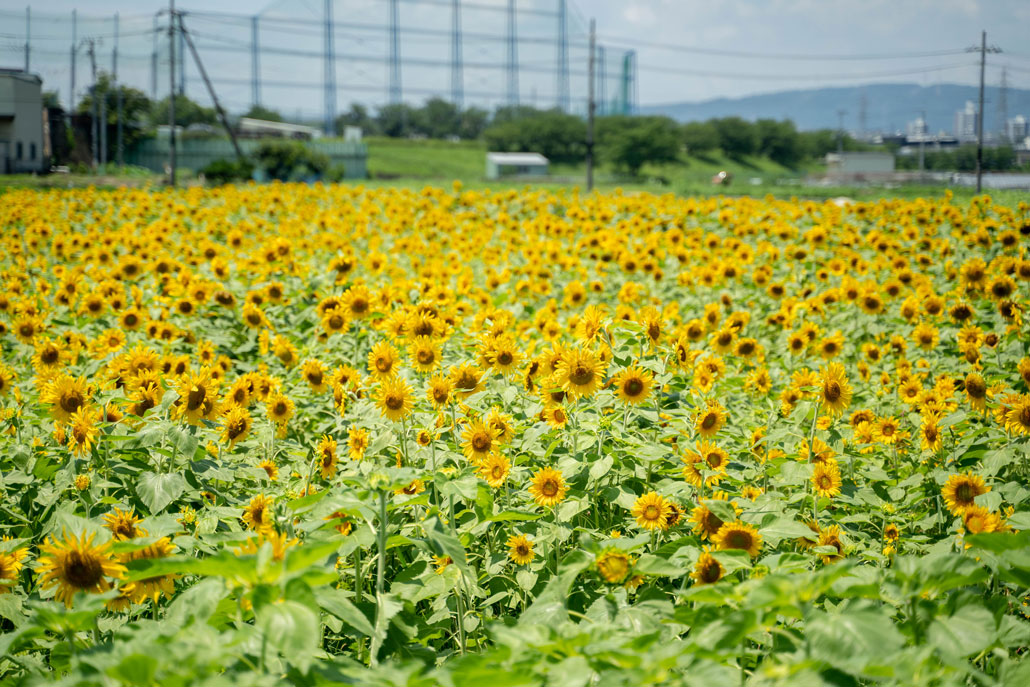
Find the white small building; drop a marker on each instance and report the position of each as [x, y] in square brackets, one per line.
[500, 165]
[21, 122]
[859, 164]
[262, 128]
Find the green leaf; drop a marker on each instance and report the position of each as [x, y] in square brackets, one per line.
[135, 669]
[291, 629]
[157, 491]
[338, 603]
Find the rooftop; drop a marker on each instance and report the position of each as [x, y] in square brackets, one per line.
[517, 158]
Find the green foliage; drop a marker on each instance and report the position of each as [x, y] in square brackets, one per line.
[187, 112]
[290, 160]
[262, 112]
[631, 142]
[700, 137]
[228, 171]
[558, 136]
[136, 107]
[737, 137]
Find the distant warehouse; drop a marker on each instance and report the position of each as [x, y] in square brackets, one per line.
[21, 122]
[500, 165]
[857, 166]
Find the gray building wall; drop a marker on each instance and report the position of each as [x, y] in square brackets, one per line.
[21, 123]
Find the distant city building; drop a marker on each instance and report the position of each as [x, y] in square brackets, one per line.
[917, 128]
[966, 122]
[21, 122]
[857, 166]
[1016, 129]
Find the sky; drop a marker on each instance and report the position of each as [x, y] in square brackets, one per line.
[686, 50]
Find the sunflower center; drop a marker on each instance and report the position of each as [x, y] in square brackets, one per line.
[195, 398]
[1024, 416]
[711, 572]
[71, 401]
[964, 493]
[335, 322]
[481, 443]
[49, 355]
[83, 570]
[633, 387]
[976, 388]
[831, 391]
[651, 513]
[394, 402]
[359, 306]
[549, 488]
[504, 358]
[426, 356]
[709, 421]
[581, 375]
[739, 540]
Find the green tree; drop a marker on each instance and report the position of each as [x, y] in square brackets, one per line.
[558, 136]
[737, 137]
[136, 107]
[397, 120]
[438, 118]
[473, 123]
[700, 137]
[261, 112]
[779, 141]
[631, 142]
[358, 116]
[186, 112]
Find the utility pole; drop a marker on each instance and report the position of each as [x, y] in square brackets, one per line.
[563, 56]
[329, 69]
[153, 60]
[255, 66]
[922, 144]
[396, 96]
[75, 48]
[591, 107]
[512, 59]
[28, 36]
[457, 80]
[92, 52]
[983, 50]
[1003, 104]
[840, 131]
[118, 96]
[171, 93]
[602, 80]
[210, 89]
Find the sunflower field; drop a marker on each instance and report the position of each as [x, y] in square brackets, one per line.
[316, 434]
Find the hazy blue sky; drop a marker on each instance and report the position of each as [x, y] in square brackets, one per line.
[766, 29]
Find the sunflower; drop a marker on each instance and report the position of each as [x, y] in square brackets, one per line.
[270, 468]
[652, 511]
[976, 391]
[555, 416]
[614, 566]
[48, 355]
[579, 372]
[82, 431]
[76, 565]
[710, 420]
[831, 346]
[357, 443]
[826, 479]
[1017, 417]
[478, 440]
[495, 470]
[737, 535]
[466, 379]
[65, 395]
[503, 355]
[10, 566]
[520, 549]
[707, 457]
[394, 398]
[151, 588]
[425, 354]
[707, 570]
[382, 359]
[279, 542]
[313, 372]
[198, 398]
[123, 525]
[891, 532]
[633, 385]
[831, 537]
[887, 431]
[325, 451]
[413, 488]
[960, 492]
[257, 514]
[279, 408]
[835, 392]
[978, 520]
[438, 390]
[930, 435]
[236, 425]
[548, 487]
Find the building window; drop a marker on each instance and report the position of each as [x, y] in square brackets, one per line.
[17, 151]
[32, 150]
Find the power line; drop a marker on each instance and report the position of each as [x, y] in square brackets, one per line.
[781, 76]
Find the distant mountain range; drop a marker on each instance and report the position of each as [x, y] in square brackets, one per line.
[888, 107]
